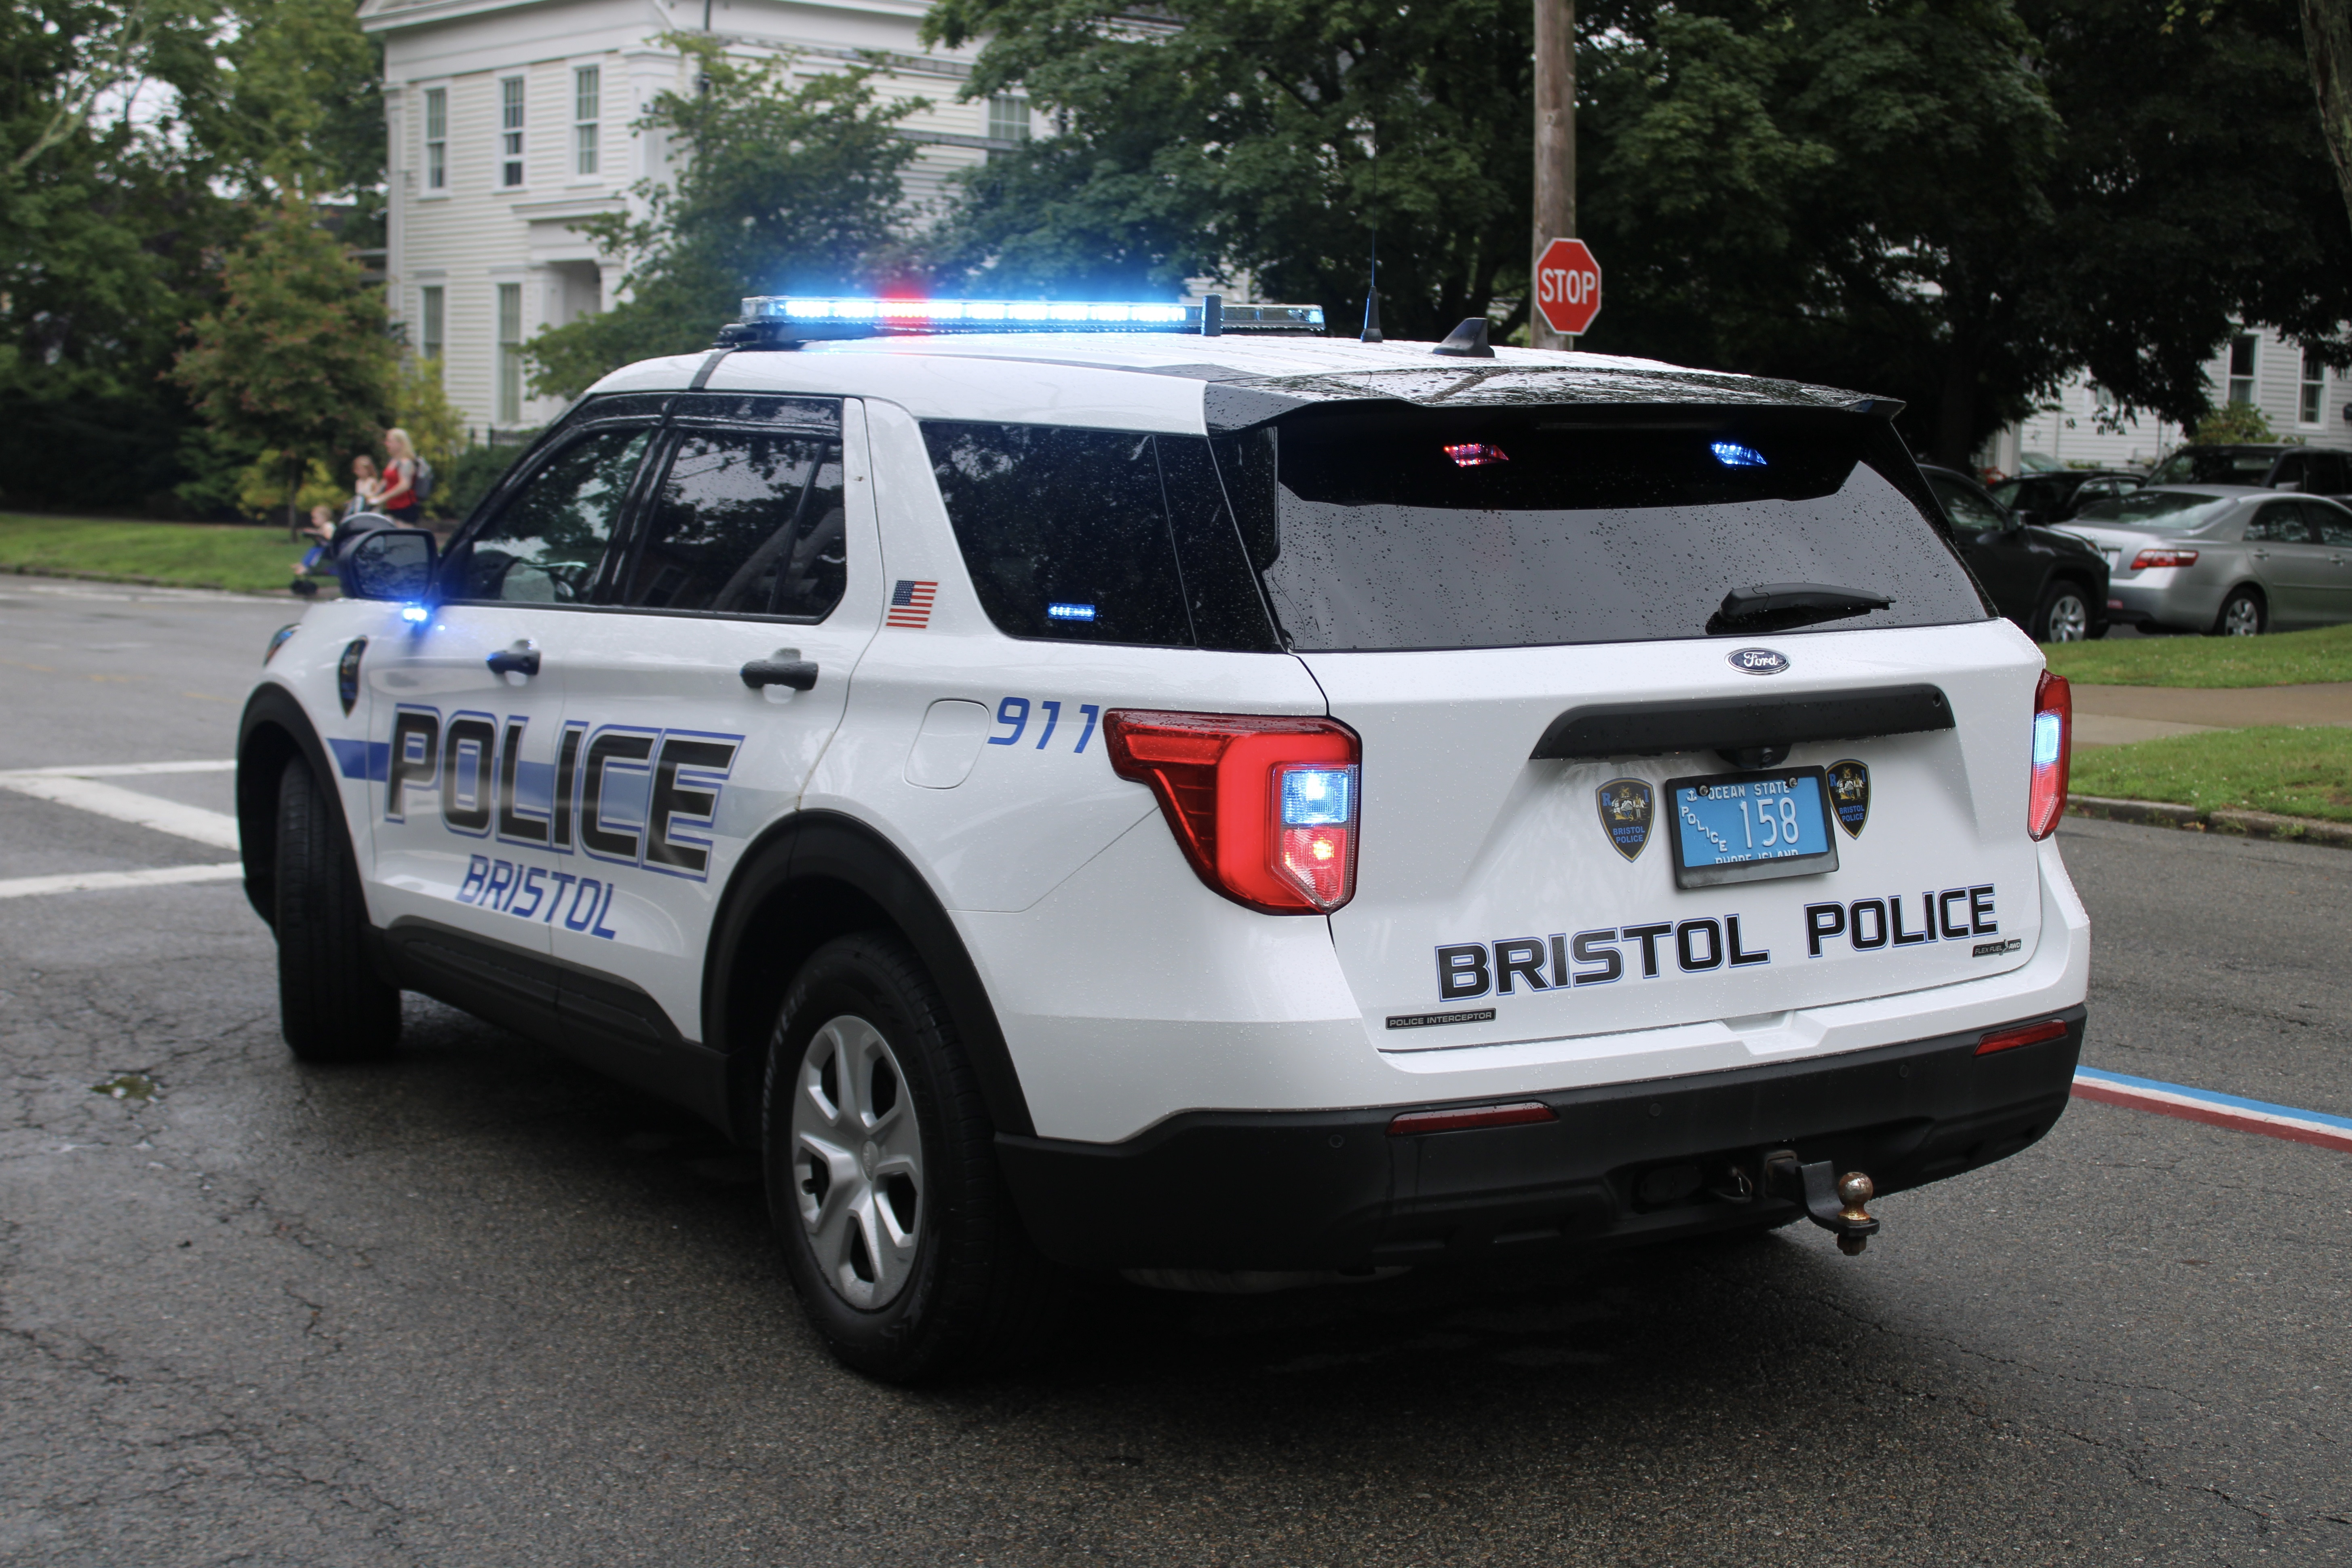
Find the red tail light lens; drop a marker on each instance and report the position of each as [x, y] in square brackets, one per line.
[1465, 1120]
[2053, 749]
[1265, 809]
[2147, 557]
[2028, 1035]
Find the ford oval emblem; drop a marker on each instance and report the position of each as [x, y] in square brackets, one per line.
[1758, 660]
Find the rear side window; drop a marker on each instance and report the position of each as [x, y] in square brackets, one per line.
[1073, 535]
[1428, 531]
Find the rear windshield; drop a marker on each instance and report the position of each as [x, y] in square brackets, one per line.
[2213, 466]
[1447, 533]
[2169, 511]
[1350, 531]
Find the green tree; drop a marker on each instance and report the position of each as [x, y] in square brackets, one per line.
[135, 137]
[1956, 203]
[295, 362]
[777, 187]
[2327, 39]
[1271, 136]
[106, 215]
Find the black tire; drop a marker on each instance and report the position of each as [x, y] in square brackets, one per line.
[332, 1003]
[2243, 607]
[2065, 614]
[976, 1291]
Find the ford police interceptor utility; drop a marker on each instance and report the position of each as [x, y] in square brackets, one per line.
[1156, 789]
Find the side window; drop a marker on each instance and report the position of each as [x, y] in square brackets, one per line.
[2281, 522]
[1064, 532]
[2329, 524]
[2288, 475]
[748, 523]
[1969, 512]
[2327, 474]
[546, 543]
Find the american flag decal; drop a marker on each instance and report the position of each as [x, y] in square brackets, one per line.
[910, 604]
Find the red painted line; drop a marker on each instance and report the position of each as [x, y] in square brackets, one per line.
[2318, 1138]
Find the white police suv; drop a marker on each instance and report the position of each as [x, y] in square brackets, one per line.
[1157, 789]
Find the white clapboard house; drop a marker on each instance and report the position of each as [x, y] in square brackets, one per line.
[510, 122]
[2303, 400]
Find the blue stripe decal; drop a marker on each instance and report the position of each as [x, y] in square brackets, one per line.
[2212, 1096]
[351, 757]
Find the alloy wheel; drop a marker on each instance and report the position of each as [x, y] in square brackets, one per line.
[2244, 618]
[2070, 619]
[857, 1162]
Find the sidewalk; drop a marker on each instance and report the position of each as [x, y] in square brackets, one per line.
[2117, 715]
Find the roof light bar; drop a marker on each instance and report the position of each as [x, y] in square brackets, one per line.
[788, 320]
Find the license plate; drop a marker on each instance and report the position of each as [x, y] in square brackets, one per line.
[1746, 827]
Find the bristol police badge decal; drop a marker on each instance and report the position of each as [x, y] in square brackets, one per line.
[1850, 795]
[1628, 806]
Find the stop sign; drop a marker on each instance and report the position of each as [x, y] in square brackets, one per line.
[1568, 287]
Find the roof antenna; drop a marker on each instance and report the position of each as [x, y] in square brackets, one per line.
[1371, 334]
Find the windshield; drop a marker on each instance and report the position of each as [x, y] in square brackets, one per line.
[1429, 530]
[2213, 466]
[2168, 511]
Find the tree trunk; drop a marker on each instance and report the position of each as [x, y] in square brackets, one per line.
[1555, 191]
[2327, 40]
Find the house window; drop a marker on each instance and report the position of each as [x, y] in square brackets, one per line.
[436, 138]
[2241, 369]
[586, 89]
[1008, 118]
[431, 308]
[510, 131]
[510, 354]
[2101, 400]
[2313, 408]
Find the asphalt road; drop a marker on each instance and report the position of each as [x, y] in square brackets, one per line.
[478, 1306]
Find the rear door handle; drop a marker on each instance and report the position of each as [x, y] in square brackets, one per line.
[800, 674]
[514, 662]
[2260, 555]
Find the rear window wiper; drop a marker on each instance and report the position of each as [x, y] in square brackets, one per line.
[1781, 606]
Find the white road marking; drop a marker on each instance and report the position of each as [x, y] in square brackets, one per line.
[97, 881]
[118, 770]
[216, 828]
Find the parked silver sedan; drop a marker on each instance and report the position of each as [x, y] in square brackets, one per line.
[2225, 560]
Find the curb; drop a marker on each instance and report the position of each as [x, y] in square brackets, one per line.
[2239, 823]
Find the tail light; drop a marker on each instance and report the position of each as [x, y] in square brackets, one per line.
[2147, 557]
[2030, 1034]
[1265, 809]
[2053, 750]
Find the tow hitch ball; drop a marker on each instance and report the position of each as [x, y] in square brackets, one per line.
[1836, 1204]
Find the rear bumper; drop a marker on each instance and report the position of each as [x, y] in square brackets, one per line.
[1623, 1162]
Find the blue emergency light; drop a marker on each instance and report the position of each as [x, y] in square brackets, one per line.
[788, 320]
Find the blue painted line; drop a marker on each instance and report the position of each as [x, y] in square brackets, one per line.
[2214, 1097]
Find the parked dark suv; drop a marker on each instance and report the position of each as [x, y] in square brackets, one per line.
[2052, 584]
[2053, 495]
[2274, 466]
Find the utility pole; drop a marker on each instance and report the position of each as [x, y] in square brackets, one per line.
[1555, 194]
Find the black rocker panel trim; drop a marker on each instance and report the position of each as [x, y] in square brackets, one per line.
[605, 1023]
[1193, 1192]
[821, 848]
[1767, 718]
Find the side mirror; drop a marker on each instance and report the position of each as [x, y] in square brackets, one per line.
[2024, 519]
[393, 564]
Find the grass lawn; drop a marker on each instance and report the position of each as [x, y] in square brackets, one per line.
[2292, 659]
[2294, 771]
[179, 554]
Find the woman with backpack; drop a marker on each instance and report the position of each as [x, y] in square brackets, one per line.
[401, 498]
